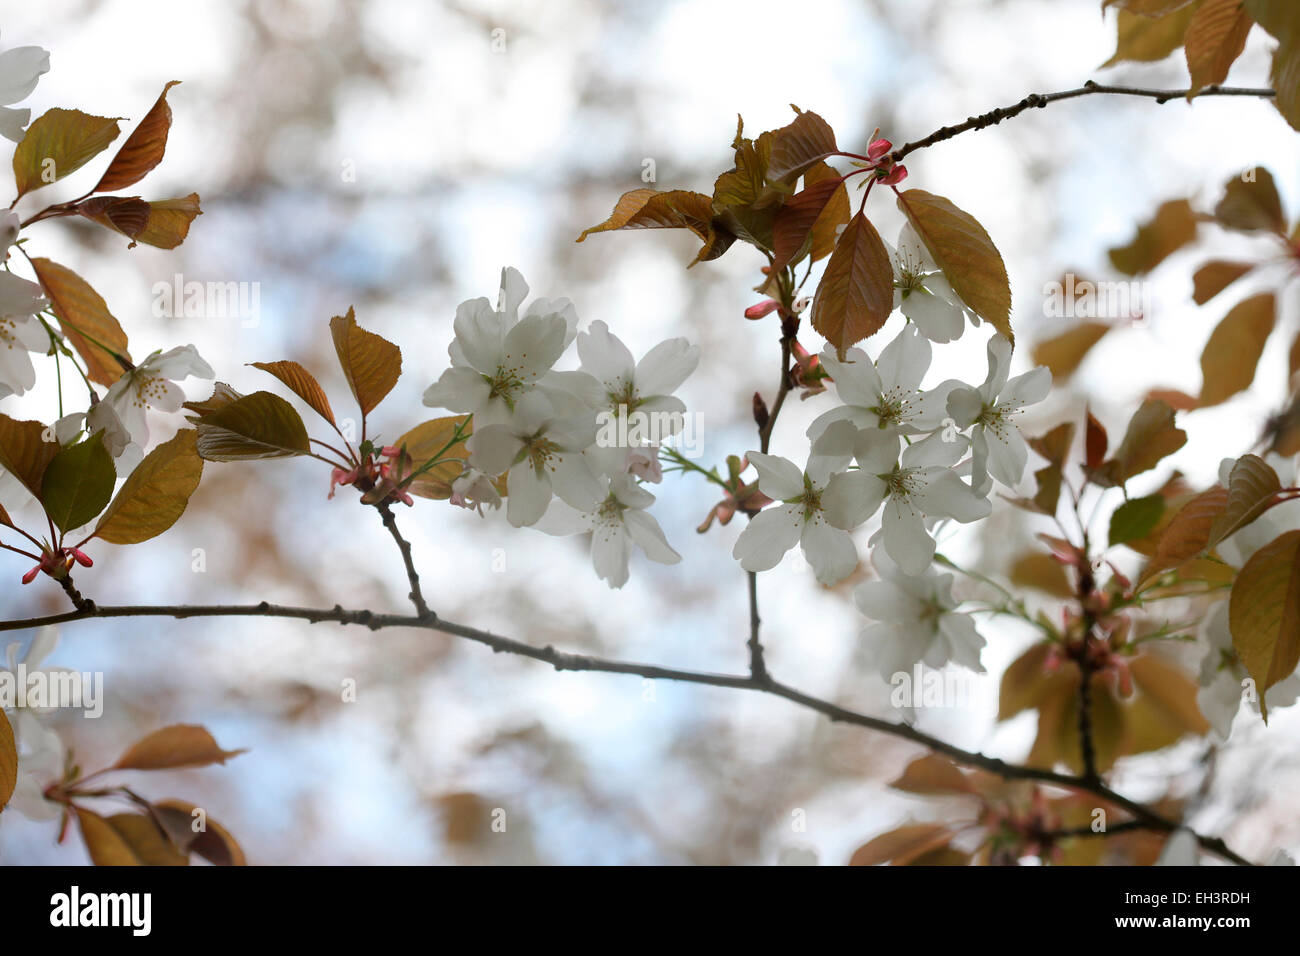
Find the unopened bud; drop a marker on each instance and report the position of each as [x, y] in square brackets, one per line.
[761, 415]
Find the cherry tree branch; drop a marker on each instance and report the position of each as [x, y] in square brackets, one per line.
[1142, 815]
[385, 509]
[1040, 100]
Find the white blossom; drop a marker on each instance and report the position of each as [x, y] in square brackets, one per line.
[617, 522]
[540, 447]
[639, 393]
[997, 447]
[815, 507]
[21, 332]
[922, 484]
[922, 292]
[916, 620]
[20, 69]
[885, 393]
[152, 384]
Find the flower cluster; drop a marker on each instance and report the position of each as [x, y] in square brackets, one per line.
[918, 457]
[574, 445]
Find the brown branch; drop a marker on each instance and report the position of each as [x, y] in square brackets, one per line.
[385, 509]
[562, 661]
[1040, 100]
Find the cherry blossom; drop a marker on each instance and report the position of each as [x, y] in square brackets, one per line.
[885, 393]
[997, 446]
[916, 620]
[540, 446]
[817, 508]
[152, 384]
[501, 364]
[922, 484]
[20, 69]
[628, 389]
[617, 522]
[474, 489]
[21, 332]
[922, 292]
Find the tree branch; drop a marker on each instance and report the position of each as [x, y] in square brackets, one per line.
[417, 597]
[562, 661]
[1040, 100]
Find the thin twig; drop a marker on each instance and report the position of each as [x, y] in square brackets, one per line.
[1039, 100]
[417, 597]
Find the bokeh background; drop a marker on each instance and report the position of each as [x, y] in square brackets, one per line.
[394, 156]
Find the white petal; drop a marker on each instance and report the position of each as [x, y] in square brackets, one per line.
[905, 537]
[851, 498]
[1028, 389]
[513, 292]
[857, 382]
[768, 536]
[573, 480]
[662, 370]
[829, 550]
[1007, 453]
[778, 478]
[493, 449]
[904, 361]
[20, 68]
[479, 336]
[944, 495]
[606, 358]
[610, 550]
[529, 494]
[937, 318]
[645, 531]
[533, 346]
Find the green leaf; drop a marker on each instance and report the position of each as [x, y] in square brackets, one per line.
[154, 496]
[1136, 519]
[371, 363]
[856, 293]
[257, 426]
[1232, 354]
[58, 143]
[965, 253]
[1264, 613]
[78, 483]
[26, 450]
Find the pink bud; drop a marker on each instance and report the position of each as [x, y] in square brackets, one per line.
[879, 148]
[766, 307]
[30, 576]
[82, 558]
[896, 175]
[390, 451]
